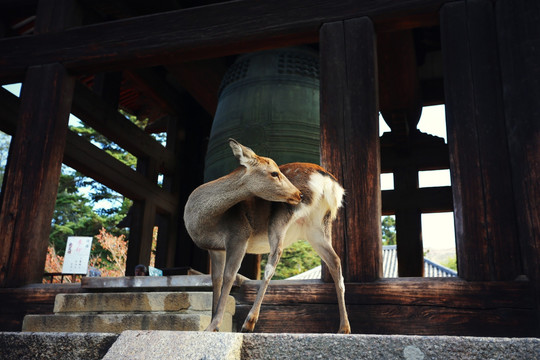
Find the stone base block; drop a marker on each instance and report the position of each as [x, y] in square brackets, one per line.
[116, 323]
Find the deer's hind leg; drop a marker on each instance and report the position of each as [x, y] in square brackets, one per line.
[320, 239]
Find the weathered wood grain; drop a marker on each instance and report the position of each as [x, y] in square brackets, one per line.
[486, 227]
[518, 32]
[350, 142]
[393, 319]
[15, 303]
[455, 293]
[417, 306]
[201, 32]
[32, 172]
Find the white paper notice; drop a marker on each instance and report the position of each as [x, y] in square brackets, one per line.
[77, 255]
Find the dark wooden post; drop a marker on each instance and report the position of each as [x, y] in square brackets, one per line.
[32, 174]
[167, 223]
[350, 142]
[401, 106]
[35, 158]
[143, 220]
[518, 30]
[485, 217]
[191, 157]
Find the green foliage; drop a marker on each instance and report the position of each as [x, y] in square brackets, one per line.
[450, 263]
[389, 230]
[296, 259]
[4, 149]
[74, 214]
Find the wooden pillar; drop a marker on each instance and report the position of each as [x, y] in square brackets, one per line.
[401, 106]
[518, 31]
[35, 157]
[410, 248]
[32, 174]
[485, 217]
[191, 157]
[350, 142]
[143, 220]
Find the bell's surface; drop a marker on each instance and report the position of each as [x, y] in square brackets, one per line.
[268, 101]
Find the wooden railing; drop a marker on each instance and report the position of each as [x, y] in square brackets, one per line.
[58, 278]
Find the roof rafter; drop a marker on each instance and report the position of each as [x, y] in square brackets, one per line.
[201, 32]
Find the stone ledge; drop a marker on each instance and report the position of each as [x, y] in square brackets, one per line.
[192, 345]
[117, 323]
[334, 346]
[57, 346]
[168, 345]
[179, 302]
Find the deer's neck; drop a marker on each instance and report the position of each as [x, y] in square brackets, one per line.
[217, 197]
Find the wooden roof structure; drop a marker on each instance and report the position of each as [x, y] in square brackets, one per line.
[165, 60]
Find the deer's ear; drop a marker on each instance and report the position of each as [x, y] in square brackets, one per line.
[245, 155]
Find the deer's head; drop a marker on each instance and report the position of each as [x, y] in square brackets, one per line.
[264, 179]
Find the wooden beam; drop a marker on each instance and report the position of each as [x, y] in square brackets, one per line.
[485, 217]
[423, 156]
[202, 80]
[427, 200]
[200, 32]
[418, 306]
[95, 112]
[450, 292]
[350, 142]
[153, 84]
[393, 319]
[108, 86]
[32, 172]
[100, 166]
[95, 163]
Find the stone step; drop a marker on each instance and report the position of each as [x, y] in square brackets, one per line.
[117, 312]
[117, 323]
[179, 302]
[57, 346]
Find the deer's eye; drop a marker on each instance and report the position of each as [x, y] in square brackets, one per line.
[274, 174]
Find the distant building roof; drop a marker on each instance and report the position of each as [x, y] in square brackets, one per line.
[390, 268]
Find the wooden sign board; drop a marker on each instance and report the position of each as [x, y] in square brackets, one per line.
[77, 255]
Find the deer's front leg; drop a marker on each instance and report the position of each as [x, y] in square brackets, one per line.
[233, 259]
[276, 234]
[217, 258]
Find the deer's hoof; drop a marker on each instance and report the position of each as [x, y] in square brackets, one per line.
[212, 328]
[249, 325]
[345, 329]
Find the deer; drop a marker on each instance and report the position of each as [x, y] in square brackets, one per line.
[263, 208]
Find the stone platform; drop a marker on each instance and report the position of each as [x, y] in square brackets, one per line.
[168, 345]
[117, 312]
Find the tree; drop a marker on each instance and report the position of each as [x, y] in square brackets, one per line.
[389, 230]
[296, 259]
[4, 150]
[74, 214]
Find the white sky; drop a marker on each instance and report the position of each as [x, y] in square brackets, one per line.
[437, 229]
